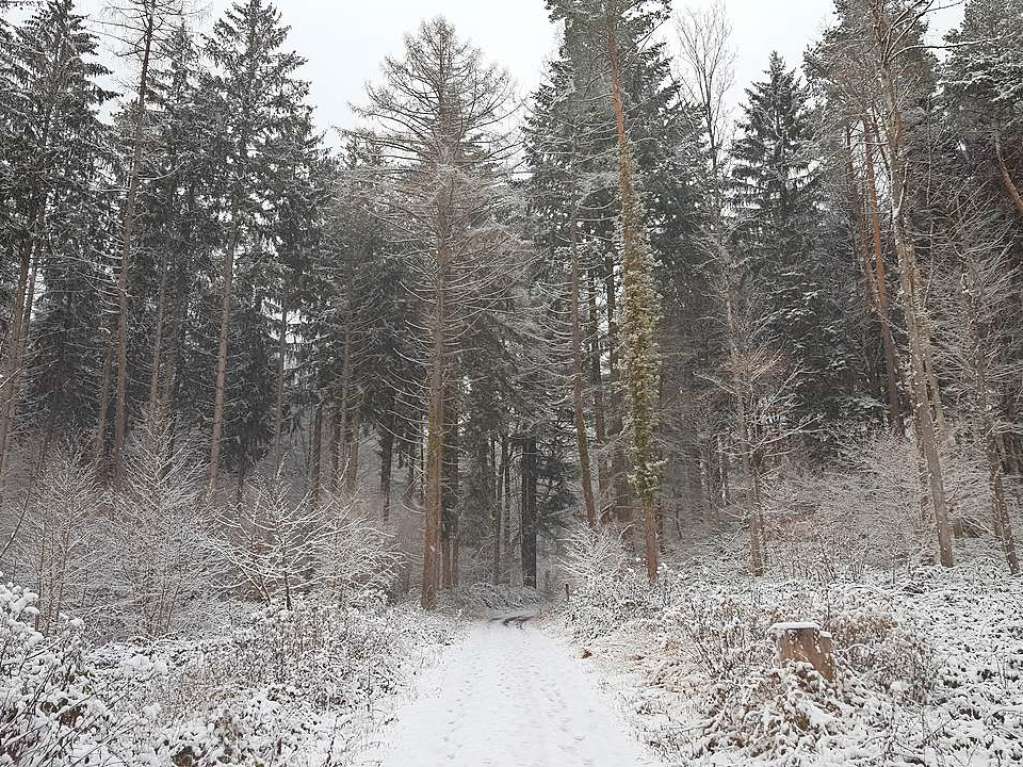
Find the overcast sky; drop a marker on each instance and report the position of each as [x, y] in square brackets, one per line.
[345, 41]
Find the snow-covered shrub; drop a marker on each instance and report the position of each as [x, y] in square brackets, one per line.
[274, 542]
[160, 558]
[50, 713]
[606, 588]
[58, 545]
[359, 562]
[866, 512]
[260, 695]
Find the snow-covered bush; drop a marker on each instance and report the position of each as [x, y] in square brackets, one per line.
[866, 512]
[273, 542]
[929, 667]
[606, 588]
[53, 713]
[285, 678]
[359, 562]
[58, 545]
[160, 558]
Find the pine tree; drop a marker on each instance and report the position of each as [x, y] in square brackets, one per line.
[598, 31]
[443, 187]
[141, 24]
[53, 159]
[983, 80]
[781, 229]
[250, 99]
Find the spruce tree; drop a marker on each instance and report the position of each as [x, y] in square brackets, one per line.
[781, 232]
[53, 156]
[250, 99]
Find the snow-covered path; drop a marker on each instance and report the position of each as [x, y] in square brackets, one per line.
[509, 696]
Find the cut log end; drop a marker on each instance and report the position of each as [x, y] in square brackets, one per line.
[806, 643]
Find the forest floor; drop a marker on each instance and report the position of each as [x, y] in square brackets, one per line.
[930, 663]
[508, 694]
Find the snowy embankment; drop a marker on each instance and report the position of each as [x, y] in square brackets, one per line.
[930, 664]
[303, 688]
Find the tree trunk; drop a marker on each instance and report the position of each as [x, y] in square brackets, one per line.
[155, 374]
[506, 498]
[450, 481]
[597, 382]
[912, 296]
[225, 327]
[578, 374]
[1007, 182]
[316, 455]
[282, 354]
[386, 460]
[497, 514]
[128, 236]
[106, 380]
[1000, 509]
[877, 281]
[528, 505]
[434, 459]
[21, 317]
[639, 310]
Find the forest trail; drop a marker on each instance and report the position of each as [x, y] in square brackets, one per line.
[509, 695]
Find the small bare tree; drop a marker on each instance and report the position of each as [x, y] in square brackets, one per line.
[274, 542]
[57, 549]
[706, 62]
[160, 558]
[979, 345]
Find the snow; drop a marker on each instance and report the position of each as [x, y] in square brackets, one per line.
[509, 695]
[779, 628]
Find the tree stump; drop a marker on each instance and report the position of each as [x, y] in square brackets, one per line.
[806, 643]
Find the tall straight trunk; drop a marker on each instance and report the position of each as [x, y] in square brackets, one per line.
[434, 458]
[106, 381]
[127, 243]
[920, 384]
[316, 456]
[639, 322]
[450, 480]
[387, 460]
[694, 482]
[156, 372]
[877, 276]
[619, 466]
[21, 318]
[1007, 181]
[445, 560]
[225, 328]
[354, 443]
[1000, 509]
[11, 388]
[333, 441]
[506, 496]
[497, 475]
[578, 375]
[597, 383]
[282, 353]
[344, 435]
[528, 505]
